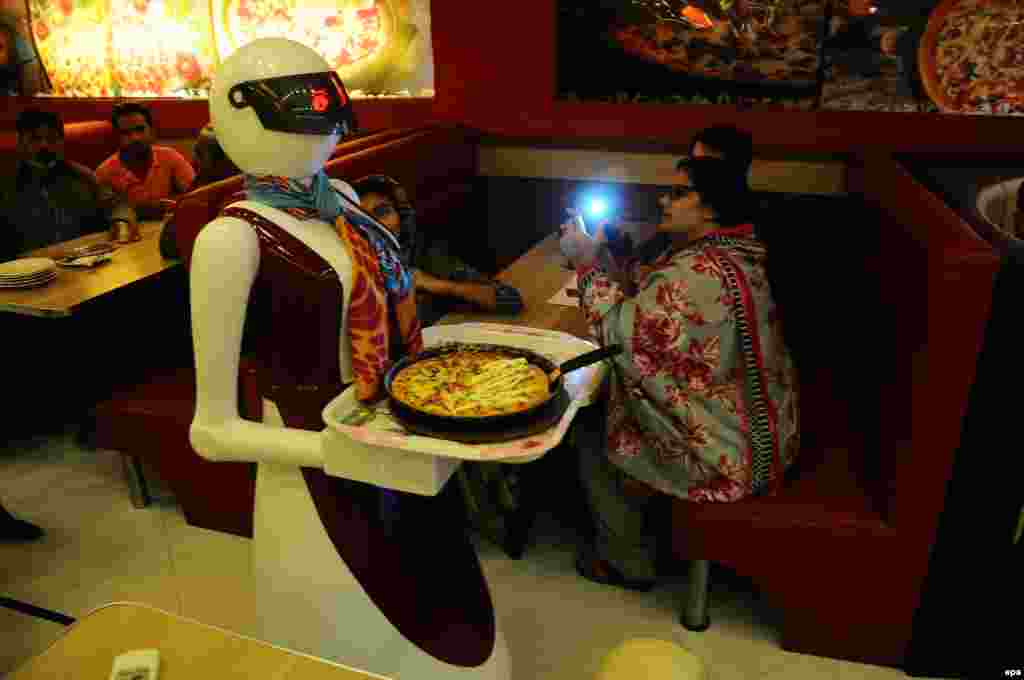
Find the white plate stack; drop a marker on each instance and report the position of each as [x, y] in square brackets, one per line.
[29, 272]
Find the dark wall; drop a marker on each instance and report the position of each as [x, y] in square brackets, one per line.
[521, 211]
[496, 70]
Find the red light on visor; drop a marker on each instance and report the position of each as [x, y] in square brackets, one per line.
[320, 101]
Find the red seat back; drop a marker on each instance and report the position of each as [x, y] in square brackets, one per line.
[435, 164]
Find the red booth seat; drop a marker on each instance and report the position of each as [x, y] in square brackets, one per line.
[885, 323]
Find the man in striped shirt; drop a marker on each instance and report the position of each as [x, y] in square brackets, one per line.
[441, 278]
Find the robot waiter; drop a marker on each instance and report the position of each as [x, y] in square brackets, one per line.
[377, 579]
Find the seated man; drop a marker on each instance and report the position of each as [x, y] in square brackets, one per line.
[441, 278]
[210, 161]
[48, 199]
[145, 175]
[211, 165]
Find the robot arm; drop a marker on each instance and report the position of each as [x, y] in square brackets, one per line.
[225, 260]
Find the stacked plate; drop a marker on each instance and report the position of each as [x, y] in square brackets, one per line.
[29, 272]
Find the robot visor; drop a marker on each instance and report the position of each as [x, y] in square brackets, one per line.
[307, 104]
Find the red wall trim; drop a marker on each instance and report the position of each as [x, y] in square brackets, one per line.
[497, 73]
[182, 118]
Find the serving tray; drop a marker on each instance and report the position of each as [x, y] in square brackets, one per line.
[364, 442]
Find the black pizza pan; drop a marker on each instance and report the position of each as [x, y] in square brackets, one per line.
[554, 371]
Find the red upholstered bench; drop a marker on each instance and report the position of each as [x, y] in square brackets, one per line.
[151, 420]
[886, 359]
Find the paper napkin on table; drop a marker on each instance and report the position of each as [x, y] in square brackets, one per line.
[563, 297]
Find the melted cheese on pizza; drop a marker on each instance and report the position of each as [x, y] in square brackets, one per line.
[471, 383]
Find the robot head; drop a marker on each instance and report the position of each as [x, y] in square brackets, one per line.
[279, 109]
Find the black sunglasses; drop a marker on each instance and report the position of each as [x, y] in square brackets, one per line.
[383, 210]
[678, 191]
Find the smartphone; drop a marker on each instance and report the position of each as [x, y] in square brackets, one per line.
[582, 224]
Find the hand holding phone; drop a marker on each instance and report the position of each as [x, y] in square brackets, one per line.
[576, 243]
[581, 224]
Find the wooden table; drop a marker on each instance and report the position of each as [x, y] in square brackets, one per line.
[538, 275]
[189, 650]
[76, 338]
[131, 263]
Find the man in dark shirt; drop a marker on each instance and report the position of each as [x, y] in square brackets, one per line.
[48, 199]
[211, 165]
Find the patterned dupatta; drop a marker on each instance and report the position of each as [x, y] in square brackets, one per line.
[382, 288]
[766, 472]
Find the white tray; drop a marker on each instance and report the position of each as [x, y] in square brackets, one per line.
[381, 452]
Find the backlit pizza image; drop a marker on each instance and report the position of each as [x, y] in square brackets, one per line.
[972, 56]
[344, 33]
[729, 39]
[170, 48]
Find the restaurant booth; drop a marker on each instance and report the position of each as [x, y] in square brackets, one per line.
[893, 536]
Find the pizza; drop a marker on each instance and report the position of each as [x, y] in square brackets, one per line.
[782, 49]
[344, 33]
[471, 383]
[972, 56]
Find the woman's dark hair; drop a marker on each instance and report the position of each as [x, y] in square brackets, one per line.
[722, 186]
[735, 146]
[413, 242]
[376, 184]
[31, 120]
[130, 109]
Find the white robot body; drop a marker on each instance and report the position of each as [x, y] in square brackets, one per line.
[307, 597]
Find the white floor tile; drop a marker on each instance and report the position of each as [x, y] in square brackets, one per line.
[99, 549]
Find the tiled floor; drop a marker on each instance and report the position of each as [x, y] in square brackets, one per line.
[99, 549]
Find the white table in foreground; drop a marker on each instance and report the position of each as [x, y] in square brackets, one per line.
[189, 650]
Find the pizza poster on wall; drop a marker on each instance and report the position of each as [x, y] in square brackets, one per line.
[949, 56]
[161, 48]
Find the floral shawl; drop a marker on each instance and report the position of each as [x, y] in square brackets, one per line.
[680, 406]
[382, 319]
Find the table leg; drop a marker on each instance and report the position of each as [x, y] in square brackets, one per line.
[137, 487]
[695, 607]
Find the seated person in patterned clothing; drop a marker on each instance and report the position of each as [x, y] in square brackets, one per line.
[703, 402]
[49, 199]
[441, 279]
[143, 174]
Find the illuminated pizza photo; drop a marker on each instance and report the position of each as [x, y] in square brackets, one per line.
[171, 48]
[722, 50]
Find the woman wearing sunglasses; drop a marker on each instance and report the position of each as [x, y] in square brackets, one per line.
[703, 404]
